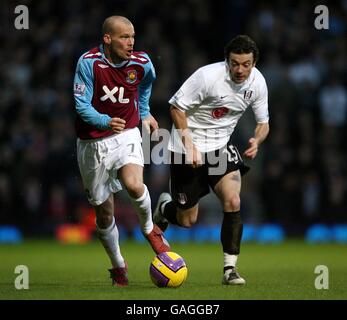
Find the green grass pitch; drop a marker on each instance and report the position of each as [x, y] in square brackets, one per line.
[277, 271]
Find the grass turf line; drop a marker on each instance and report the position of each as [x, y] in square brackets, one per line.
[272, 272]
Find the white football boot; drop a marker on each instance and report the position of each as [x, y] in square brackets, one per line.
[232, 277]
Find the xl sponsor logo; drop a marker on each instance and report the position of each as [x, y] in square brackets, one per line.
[110, 94]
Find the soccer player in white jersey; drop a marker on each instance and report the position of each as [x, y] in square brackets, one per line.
[112, 87]
[205, 111]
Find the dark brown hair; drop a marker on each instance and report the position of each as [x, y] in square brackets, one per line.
[241, 44]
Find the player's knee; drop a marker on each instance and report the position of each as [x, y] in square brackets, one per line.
[187, 222]
[104, 213]
[135, 188]
[192, 220]
[103, 221]
[232, 203]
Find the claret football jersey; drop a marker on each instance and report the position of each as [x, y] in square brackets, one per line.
[213, 104]
[103, 90]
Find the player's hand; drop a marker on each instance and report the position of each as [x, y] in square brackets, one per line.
[193, 157]
[150, 124]
[117, 125]
[252, 150]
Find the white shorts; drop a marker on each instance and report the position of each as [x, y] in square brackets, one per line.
[99, 160]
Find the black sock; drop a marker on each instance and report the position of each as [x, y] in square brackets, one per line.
[170, 213]
[231, 232]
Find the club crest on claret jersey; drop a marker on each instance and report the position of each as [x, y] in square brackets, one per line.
[131, 76]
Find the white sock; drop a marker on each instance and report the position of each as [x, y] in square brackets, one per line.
[109, 238]
[230, 259]
[144, 210]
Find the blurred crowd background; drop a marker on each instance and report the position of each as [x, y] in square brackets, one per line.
[299, 176]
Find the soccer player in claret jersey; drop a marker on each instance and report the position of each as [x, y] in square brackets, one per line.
[112, 87]
[205, 111]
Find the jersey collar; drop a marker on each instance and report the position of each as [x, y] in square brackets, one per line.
[118, 65]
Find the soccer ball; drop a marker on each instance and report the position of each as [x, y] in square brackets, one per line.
[168, 269]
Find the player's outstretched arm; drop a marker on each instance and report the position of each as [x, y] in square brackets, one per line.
[260, 134]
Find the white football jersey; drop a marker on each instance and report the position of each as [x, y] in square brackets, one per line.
[213, 104]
